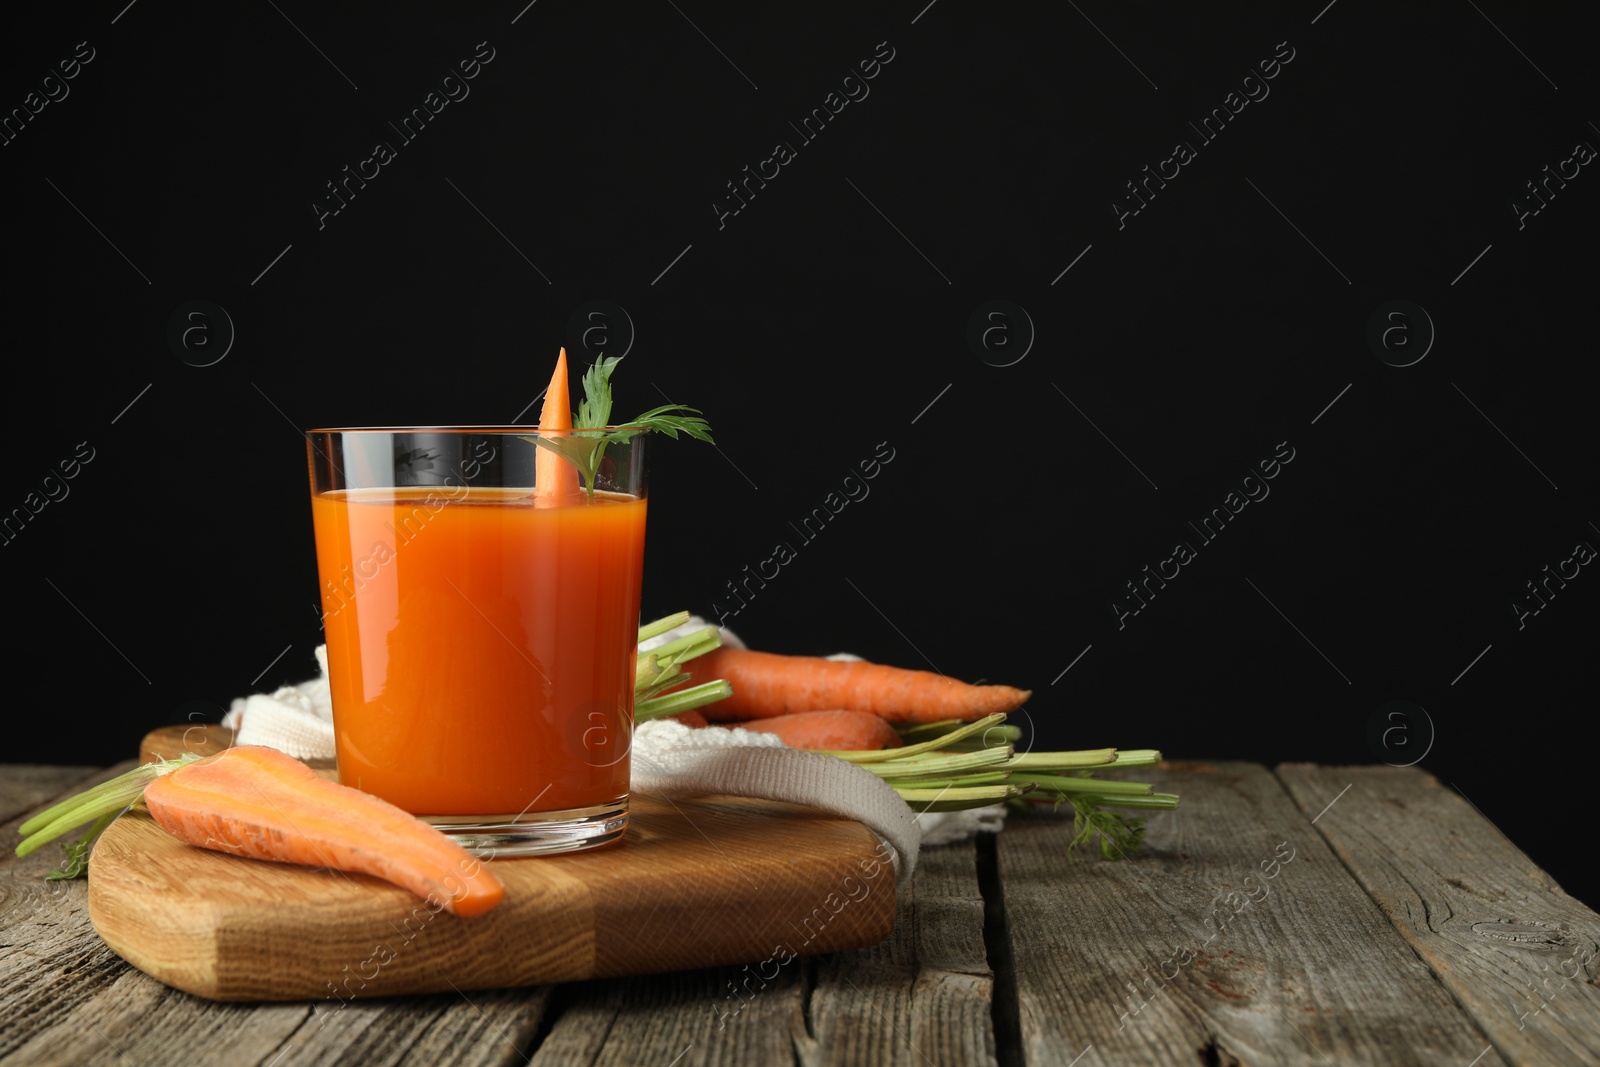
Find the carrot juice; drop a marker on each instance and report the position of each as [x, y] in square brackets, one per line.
[481, 646]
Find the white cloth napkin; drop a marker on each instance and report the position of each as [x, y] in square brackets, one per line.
[670, 759]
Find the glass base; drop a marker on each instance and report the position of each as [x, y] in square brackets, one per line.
[537, 833]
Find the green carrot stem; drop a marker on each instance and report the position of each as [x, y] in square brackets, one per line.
[1000, 734]
[683, 700]
[686, 647]
[78, 816]
[1066, 784]
[662, 625]
[974, 744]
[878, 755]
[1049, 761]
[947, 804]
[951, 781]
[92, 804]
[939, 763]
[1155, 801]
[987, 793]
[958, 799]
[145, 774]
[667, 679]
[661, 669]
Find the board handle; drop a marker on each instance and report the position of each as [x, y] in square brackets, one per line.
[170, 742]
[202, 739]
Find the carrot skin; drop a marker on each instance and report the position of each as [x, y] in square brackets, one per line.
[257, 802]
[555, 480]
[828, 731]
[767, 684]
[693, 718]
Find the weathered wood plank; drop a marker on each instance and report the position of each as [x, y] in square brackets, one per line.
[1005, 1013]
[478, 1028]
[1514, 949]
[685, 1019]
[583, 1014]
[923, 996]
[132, 1018]
[1289, 969]
[1236, 936]
[26, 786]
[138, 1020]
[50, 958]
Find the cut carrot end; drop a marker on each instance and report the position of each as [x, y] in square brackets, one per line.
[557, 411]
[555, 480]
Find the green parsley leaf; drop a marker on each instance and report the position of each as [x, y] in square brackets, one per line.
[77, 862]
[585, 448]
[595, 408]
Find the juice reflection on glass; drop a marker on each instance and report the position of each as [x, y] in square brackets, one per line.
[480, 639]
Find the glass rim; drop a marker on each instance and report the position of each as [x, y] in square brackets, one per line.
[517, 431]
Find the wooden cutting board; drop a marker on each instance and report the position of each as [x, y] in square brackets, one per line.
[694, 883]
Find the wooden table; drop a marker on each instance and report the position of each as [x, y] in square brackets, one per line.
[1308, 915]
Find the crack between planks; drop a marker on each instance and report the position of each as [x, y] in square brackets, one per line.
[313, 1012]
[1215, 1054]
[615, 1001]
[554, 1008]
[1005, 1009]
[518, 1033]
[804, 1041]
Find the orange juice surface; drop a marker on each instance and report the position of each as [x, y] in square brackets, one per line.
[481, 648]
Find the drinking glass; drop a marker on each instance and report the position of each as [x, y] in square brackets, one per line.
[481, 628]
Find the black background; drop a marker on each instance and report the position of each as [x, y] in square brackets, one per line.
[831, 315]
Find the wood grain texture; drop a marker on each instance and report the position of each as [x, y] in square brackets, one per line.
[678, 1019]
[1197, 952]
[1320, 966]
[136, 1019]
[1511, 946]
[25, 787]
[922, 997]
[695, 882]
[50, 959]
[200, 739]
[70, 1000]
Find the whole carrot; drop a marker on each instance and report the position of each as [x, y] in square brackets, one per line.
[257, 802]
[767, 684]
[828, 731]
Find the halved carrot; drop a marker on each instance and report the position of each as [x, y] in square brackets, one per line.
[257, 802]
[767, 684]
[827, 731]
[555, 479]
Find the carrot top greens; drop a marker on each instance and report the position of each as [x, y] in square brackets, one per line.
[948, 766]
[586, 445]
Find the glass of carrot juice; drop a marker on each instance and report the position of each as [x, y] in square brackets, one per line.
[481, 629]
